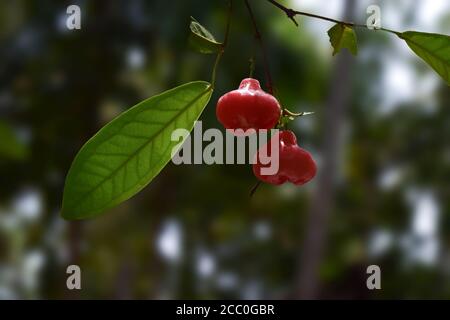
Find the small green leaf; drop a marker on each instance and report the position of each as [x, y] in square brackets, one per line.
[343, 36]
[202, 40]
[11, 147]
[433, 48]
[127, 153]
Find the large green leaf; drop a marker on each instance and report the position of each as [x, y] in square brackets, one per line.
[433, 48]
[126, 154]
[343, 36]
[202, 40]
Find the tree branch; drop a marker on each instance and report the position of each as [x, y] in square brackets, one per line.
[289, 12]
[292, 13]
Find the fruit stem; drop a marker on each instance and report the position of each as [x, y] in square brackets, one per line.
[263, 48]
[252, 67]
[216, 64]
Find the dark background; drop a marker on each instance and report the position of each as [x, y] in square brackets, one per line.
[380, 135]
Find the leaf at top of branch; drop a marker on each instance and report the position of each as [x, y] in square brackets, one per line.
[433, 48]
[127, 153]
[202, 40]
[343, 36]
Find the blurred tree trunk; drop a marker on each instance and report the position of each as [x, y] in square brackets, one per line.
[88, 107]
[318, 218]
[125, 277]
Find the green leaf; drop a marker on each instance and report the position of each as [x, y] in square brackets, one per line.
[127, 153]
[10, 146]
[343, 36]
[433, 48]
[202, 40]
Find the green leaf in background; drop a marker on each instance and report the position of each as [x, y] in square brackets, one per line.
[11, 147]
[127, 153]
[202, 40]
[343, 36]
[433, 48]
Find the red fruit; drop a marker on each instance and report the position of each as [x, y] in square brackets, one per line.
[248, 107]
[295, 164]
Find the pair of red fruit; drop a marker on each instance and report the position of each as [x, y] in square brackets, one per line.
[249, 107]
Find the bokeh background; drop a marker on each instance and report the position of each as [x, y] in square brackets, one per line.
[380, 135]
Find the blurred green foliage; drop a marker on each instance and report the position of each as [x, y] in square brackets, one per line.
[60, 87]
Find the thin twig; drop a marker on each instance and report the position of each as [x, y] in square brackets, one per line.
[227, 32]
[251, 67]
[292, 13]
[263, 49]
[289, 12]
[254, 188]
[224, 44]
